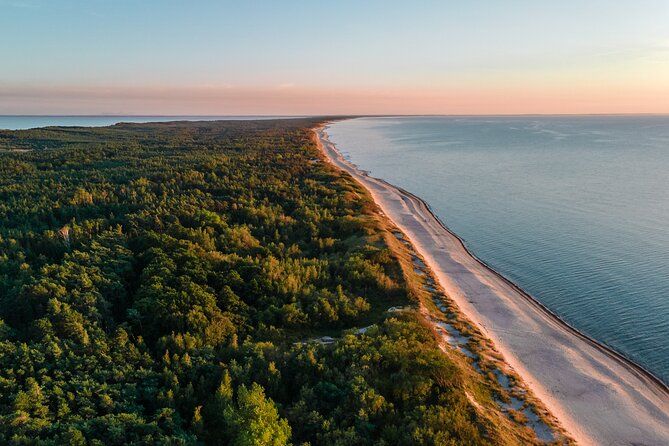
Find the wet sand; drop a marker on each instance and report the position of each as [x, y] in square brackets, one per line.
[598, 396]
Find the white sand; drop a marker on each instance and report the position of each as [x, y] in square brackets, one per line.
[599, 397]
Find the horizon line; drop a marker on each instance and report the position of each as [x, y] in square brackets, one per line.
[317, 115]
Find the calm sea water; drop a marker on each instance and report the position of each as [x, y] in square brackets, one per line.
[29, 122]
[573, 209]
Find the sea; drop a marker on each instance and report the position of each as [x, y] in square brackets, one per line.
[573, 209]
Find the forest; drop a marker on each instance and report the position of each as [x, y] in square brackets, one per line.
[206, 283]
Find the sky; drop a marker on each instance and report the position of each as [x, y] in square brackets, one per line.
[333, 57]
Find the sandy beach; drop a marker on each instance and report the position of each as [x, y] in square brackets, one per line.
[598, 396]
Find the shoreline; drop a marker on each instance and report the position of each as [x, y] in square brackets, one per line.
[576, 376]
[628, 362]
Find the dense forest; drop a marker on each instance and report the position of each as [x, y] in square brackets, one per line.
[207, 283]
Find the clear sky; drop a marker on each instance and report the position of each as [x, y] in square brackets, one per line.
[336, 56]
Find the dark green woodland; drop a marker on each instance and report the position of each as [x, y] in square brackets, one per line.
[164, 283]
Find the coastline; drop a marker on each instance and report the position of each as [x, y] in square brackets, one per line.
[598, 395]
[627, 362]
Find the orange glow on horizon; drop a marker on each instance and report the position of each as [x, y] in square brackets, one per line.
[291, 100]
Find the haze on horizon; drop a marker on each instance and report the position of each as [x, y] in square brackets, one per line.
[344, 57]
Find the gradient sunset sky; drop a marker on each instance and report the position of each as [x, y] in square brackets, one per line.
[333, 57]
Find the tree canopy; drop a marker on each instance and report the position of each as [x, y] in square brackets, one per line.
[158, 284]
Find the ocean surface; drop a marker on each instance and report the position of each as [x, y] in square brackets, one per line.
[574, 209]
[29, 122]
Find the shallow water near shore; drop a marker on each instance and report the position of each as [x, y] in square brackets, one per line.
[575, 209]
